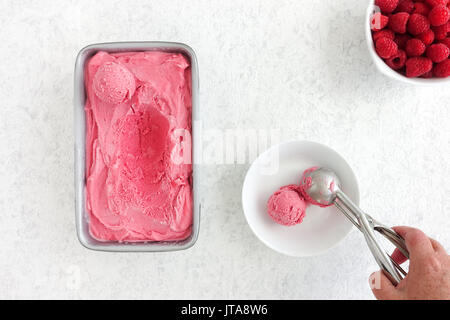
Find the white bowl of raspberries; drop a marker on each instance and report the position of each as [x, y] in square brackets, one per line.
[409, 40]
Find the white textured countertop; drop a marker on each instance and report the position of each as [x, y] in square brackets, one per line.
[300, 66]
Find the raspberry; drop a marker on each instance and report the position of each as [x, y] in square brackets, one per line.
[440, 32]
[401, 40]
[438, 52]
[405, 6]
[386, 33]
[418, 66]
[378, 22]
[421, 8]
[439, 15]
[398, 21]
[427, 75]
[427, 37]
[434, 3]
[397, 61]
[446, 41]
[415, 48]
[386, 48]
[387, 6]
[442, 69]
[418, 24]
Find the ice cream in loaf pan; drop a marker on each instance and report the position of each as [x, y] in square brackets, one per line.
[138, 146]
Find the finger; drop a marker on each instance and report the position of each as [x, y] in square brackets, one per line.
[434, 243]
[437, 246]
[417, 242]
[398, 257]
[382, 287]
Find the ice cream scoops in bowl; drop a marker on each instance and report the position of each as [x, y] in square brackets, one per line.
[287, 206]
[408, 40]
[277, 210]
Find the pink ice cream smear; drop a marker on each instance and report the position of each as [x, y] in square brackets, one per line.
[138, 146]
[306, 183]
[286, 206]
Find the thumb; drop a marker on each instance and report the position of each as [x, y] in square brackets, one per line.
[382, 287]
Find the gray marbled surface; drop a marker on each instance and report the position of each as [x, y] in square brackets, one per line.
[301, 66]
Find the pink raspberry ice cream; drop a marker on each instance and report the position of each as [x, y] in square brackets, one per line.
[138, 119]
[286, 206]
[113, 83]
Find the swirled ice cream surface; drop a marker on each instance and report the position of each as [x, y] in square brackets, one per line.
[138, 146]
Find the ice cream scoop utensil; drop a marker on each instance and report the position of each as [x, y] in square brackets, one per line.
[356, 224]
[323, 186]
[387, 235]
[383, 259]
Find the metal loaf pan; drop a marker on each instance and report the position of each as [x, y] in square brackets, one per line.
[82, 216]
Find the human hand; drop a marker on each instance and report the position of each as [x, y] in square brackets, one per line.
[429, 270]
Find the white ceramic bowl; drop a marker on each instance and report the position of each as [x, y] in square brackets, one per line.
[384, 68]
[322, 228]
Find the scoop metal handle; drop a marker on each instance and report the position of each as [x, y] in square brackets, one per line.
[397, 238]
[367, 228]
[391, 235]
